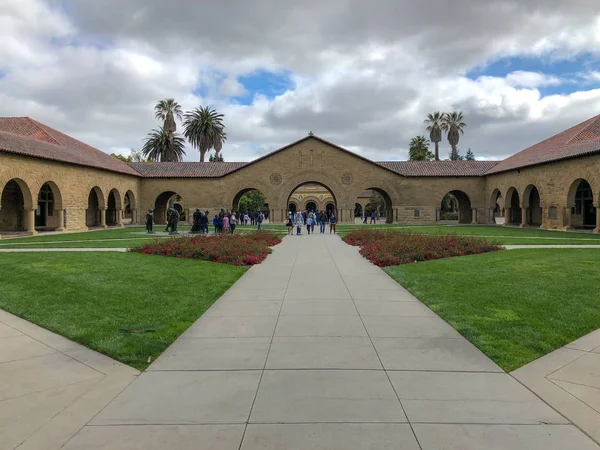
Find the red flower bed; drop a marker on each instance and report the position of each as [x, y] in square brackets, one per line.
[395, 248]
[234, 249]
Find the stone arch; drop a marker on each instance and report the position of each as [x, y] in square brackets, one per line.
[512, 207]
[358, 210]
[161, 204]
[533, 205]
[96, 207]
[233, 195]
[389, 193]
[338, 193]
[16, 206]
[460, 202]
[49, 213]
[130, 207]
[292, 206]
[582, 203]
[310, 199]
[114, 206]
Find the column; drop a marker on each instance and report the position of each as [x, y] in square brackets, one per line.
[473, 215]
[30, 221]
[597, 229]
[119, 213]
[492, 215]
[506, 216]
[567, 217]
[134, 216]
[103, 218]
[61, 219]
[524, 210]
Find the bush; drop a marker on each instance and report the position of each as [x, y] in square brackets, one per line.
[448, 215]
[235, 249]
[395, 248]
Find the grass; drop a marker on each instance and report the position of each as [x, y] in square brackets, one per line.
[130, 236]
[514, 305]
[91, 297]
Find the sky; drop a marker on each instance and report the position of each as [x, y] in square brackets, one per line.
[361, 74]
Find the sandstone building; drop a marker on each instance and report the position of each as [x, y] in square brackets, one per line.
[50, 181]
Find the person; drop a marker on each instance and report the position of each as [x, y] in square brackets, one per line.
[220, 223]
[322, 220]
[252, 218]
[308, 223]
[149, 220]
[373, 216]
[332, 224]
[299, 222]
[289, 222]
[246, 218]
[216, 223]
[259, 220]
[232, 222]
[169, 212]
[366, 216]
[226, 223]
[313, 221]
[204, 223]
[174, 221]
[196, 224]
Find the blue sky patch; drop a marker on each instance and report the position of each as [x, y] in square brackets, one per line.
[269, 84]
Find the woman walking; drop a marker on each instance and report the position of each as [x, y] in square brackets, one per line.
[299, 223]
[225, 224]
[332, 224]
[232, 223]
[289, 222]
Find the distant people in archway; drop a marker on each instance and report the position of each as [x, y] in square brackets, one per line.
[322, 221]
[366, 216]
[373, 217]
[149, 220]
[232, 222]
[216, 223]
[332, 224]
[259, 220]
[309, 222]
[289, 222]
[246, 218]
[299, 221]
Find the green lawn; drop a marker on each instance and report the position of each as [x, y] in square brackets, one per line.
[90, 297]
[132, 236]
[514, 305]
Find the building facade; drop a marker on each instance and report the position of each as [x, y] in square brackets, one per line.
[50, 181]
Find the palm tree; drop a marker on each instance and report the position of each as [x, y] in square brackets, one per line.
[454, 125]
[204, 129]
[434, 126]
[166, 110]
[418, 149]
[162, 146]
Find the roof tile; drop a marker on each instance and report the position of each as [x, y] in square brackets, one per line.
[439, 168]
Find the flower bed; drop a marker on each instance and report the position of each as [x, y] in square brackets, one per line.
[395, 248]
[235, 249]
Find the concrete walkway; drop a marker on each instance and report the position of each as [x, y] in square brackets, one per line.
[50, 387]
[318, 349]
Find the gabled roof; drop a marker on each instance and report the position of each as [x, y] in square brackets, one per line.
[25, 136]
[580, 140]
[186, 169]
[439, 168]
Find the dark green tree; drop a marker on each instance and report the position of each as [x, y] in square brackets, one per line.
[253, 200]
[158, 147]
[167, 110]
[204, 129]
[217, 157]
[434, 126]
[454, 124]
[418, 149]
[470, 156]
[455, 155]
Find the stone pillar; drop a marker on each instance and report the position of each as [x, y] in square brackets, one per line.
[61, 219]
[30, 221]
[119, 213]
[473, 215]
[506, 216]
[567, 218]
[103, 218]
[134, 216]
[597, 229]
[492, 215]
[437, 214]
[524, 210]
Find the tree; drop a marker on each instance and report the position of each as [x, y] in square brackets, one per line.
[418, 149]
[470, 155]
[166, 110]
[251, 201]
[134, 156]
[455, 155]
[204, 129]
[454, 125]
[376, 202]
[121, 157]
[434, 126]
[217, 157]
[158, 148]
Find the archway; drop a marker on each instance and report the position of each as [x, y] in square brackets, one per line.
[358, 210]
[14, 203]
[456, 205]
[162, 203]
[93, 216]
[113, 208]
[313, 196]
[311, 206]
[293, 207]
[48, 215]
[130, 208]
[250, 201]
[513, 207]
[495, 206]
[330, 209]
[581, 200]
[379, 201]
[532, 203]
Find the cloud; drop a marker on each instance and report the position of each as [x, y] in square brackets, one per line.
[361, 77]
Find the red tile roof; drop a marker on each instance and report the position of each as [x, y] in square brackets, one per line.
[25, 136]
[186, 169]
[439, 168]
[580, 140]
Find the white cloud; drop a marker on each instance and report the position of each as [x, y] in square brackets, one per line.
[361, 77]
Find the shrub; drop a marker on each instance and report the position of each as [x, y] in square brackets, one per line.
[235, 249]
[395, 248]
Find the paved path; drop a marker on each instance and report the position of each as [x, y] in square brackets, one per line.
[318, 349]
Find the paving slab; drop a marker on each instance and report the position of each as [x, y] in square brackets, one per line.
[320, 325]
[409, 327]
[382, 308]
[249, 308]
[232, 326]
[22, 347]
[584, 371]
[320, 306]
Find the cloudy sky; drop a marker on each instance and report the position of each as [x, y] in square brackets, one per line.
[361, 74]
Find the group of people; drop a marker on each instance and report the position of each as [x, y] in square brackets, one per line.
[224, 222]
[373, 215]
[310, 219]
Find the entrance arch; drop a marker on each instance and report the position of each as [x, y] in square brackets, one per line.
[311, 206]
[49, 213]
[496, 209]
[250, 200]
[456, 205]
[532, 203]
[15, 203]
[293, 207]
[312, 196]
[581, 201]
[512, 207]
[130, 208]
[113, 208]
[162, 204]
[358, 210]
[95, 210]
